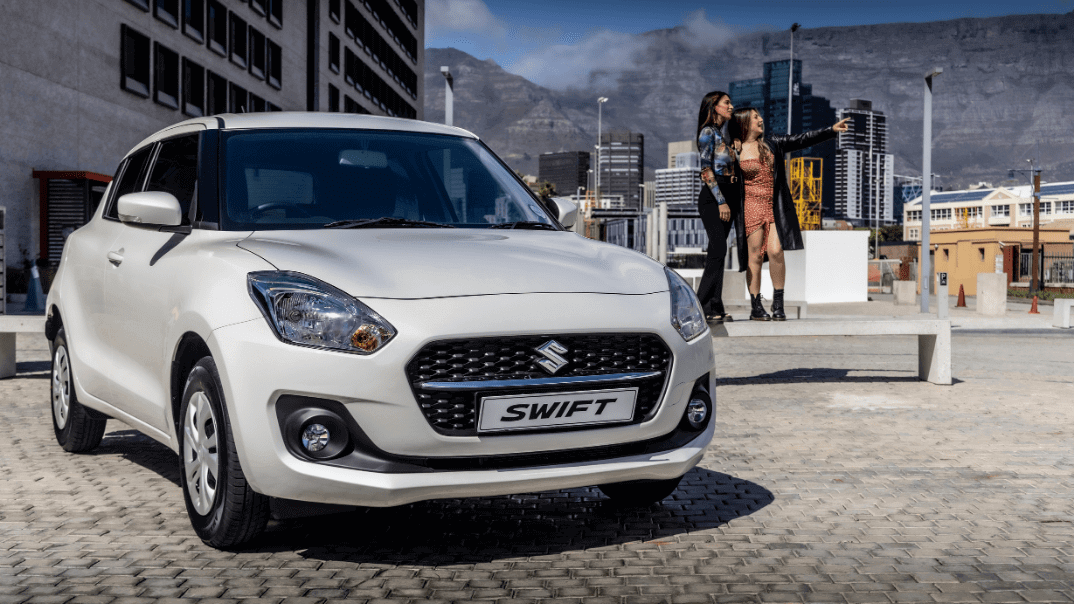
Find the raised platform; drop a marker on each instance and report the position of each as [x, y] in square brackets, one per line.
[799, 306]
[9, 326]
[933, 337]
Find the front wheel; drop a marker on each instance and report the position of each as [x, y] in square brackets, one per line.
[223, 509]
[640, 493]
[78, 429]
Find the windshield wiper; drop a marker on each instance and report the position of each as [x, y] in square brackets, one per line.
[525, 224]
[385, 222]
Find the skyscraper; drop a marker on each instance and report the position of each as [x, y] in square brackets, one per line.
[566, 170]
[622, 157]
[864, 170]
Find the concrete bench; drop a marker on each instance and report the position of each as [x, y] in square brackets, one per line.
[933, 337]
[1061, 312]
[799, 306]
[9, 326]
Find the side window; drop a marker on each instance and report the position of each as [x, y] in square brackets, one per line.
[129, 178]
[176, 170]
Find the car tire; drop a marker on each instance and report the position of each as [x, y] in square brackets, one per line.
[78, 429]
[223, 509]
[640, 493]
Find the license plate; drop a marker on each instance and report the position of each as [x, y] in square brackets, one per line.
[532, 411]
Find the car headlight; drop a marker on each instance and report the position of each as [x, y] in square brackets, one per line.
[686, 313]
[308, 312]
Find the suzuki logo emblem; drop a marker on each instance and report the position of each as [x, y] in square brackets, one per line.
[551, 351]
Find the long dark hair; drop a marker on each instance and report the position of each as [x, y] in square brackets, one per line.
[707, 115]
[740, 126]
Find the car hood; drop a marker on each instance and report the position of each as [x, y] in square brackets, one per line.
[435, 263]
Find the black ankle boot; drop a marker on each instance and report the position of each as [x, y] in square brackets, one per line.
[757, 313]
[777, 306]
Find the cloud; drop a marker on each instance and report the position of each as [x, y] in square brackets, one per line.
[598, 58]
[447, 18]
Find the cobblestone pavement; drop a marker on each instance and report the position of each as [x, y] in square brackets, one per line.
[834, 476]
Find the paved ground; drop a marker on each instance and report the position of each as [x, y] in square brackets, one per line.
[835, 476]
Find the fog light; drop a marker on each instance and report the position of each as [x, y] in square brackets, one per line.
[697, 413]
[315, 437]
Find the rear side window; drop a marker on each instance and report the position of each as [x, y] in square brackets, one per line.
[128, 178]
[176, 170]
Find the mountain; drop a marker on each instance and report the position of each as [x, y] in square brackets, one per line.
[1007, 87]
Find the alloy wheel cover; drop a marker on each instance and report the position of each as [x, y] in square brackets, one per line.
[200, 453]
[61, 387]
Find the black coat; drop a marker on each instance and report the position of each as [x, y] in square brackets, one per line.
[783, 210]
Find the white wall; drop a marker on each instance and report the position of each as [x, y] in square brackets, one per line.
[836, 266]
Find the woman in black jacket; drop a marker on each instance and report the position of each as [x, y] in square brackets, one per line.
[768, 223]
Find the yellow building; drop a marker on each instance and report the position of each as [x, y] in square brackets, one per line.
[964, 253]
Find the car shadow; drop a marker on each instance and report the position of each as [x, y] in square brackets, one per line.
[824, 374]
[139, 449]
[467, 531]
[33, 370]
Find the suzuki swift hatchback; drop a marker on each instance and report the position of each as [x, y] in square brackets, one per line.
[367, 311]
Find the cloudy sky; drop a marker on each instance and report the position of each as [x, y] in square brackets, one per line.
[560, 43]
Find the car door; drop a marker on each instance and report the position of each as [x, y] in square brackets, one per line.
[87, 314]
[143, 286]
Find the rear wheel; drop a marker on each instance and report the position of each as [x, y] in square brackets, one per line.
[77, 428]
[640, 493]
[223, 509]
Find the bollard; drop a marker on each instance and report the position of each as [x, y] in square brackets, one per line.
[1033, 310]
[35, 296]
[961, 297]
[942, 300]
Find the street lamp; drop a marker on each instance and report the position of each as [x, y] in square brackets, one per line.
[449, 96]
[1034, 285]
[600, 107]
[926, 189]
[790, 79]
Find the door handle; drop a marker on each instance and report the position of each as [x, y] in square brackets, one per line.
[116, 257]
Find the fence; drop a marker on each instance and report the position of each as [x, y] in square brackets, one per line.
[1055, 269]
[882, 274]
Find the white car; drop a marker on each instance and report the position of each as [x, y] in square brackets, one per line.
[367, 311]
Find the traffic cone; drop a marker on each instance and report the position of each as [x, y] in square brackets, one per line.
[35, 296]
[1034, 311]
[961, 297]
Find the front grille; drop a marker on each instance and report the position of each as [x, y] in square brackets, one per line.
[454, 413]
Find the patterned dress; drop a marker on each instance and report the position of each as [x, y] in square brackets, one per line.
[757, 208]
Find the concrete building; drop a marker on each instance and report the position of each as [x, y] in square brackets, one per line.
[964, 253]
[769, 96]
[567, 170]
[864, 170]
[677, 147]
[621, 165]
[992, 207]
[680, 185]
[83, 81]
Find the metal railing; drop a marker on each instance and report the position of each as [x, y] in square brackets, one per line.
[1054, 268]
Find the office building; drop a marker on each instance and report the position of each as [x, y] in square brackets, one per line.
[769, 94]
[622, 157]
[86, 81]
[568, 171]
[677, 147]
[864, 170]
[681, 185]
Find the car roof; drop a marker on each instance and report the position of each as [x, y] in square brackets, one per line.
[303, 119]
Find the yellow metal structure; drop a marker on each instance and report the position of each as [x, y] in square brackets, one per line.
[804, 178]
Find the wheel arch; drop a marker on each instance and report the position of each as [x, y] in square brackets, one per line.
[190, 349]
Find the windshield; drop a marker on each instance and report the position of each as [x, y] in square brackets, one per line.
[309, 178]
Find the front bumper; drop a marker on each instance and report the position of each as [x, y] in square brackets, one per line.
[258, 370]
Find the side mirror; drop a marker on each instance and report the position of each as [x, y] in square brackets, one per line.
[567, 211]
[149, 208]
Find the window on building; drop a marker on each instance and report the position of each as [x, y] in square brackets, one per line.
[167, 11]
[333, 98]
[333, 53]
[333, 10]
[257, 104]
[260, 6]
[129, 178]
[142, 4]
[194, 19]
[272, 107]
[257, 54]
[980, 254]
[350, 19]
[176, 170]
[193, 88]
[1066, 207]
[215, 94]
[239, 40]
[166, 76]
[1025, 209]
[946, 254]
[275, 12]
[217, 26]
[1004, 210]
[238, 103]
[350, 66]
[1045, 207]
[352, 106]
[275, 65]
[134, 55]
